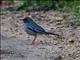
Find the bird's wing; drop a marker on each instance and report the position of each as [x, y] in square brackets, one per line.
[36, 28]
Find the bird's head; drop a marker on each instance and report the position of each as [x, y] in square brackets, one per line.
[27, 20]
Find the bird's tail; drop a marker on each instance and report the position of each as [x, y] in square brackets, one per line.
[52, 33]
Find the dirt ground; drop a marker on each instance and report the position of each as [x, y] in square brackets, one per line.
[16, 43]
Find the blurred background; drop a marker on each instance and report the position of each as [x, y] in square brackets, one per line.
[72, 6]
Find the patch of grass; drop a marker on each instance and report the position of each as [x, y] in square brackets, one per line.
[75, 8]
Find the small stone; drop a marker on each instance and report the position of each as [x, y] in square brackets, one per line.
[71, 41]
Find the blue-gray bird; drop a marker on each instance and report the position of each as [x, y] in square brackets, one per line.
[33, 28]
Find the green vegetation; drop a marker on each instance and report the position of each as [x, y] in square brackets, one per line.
[59, 5]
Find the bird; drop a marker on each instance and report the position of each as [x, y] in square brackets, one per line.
[32, 28]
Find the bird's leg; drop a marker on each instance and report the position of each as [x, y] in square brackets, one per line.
[33, 42]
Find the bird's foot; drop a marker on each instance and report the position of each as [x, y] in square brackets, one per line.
[33, 43]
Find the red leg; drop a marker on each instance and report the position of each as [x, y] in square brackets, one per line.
[33, 42]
